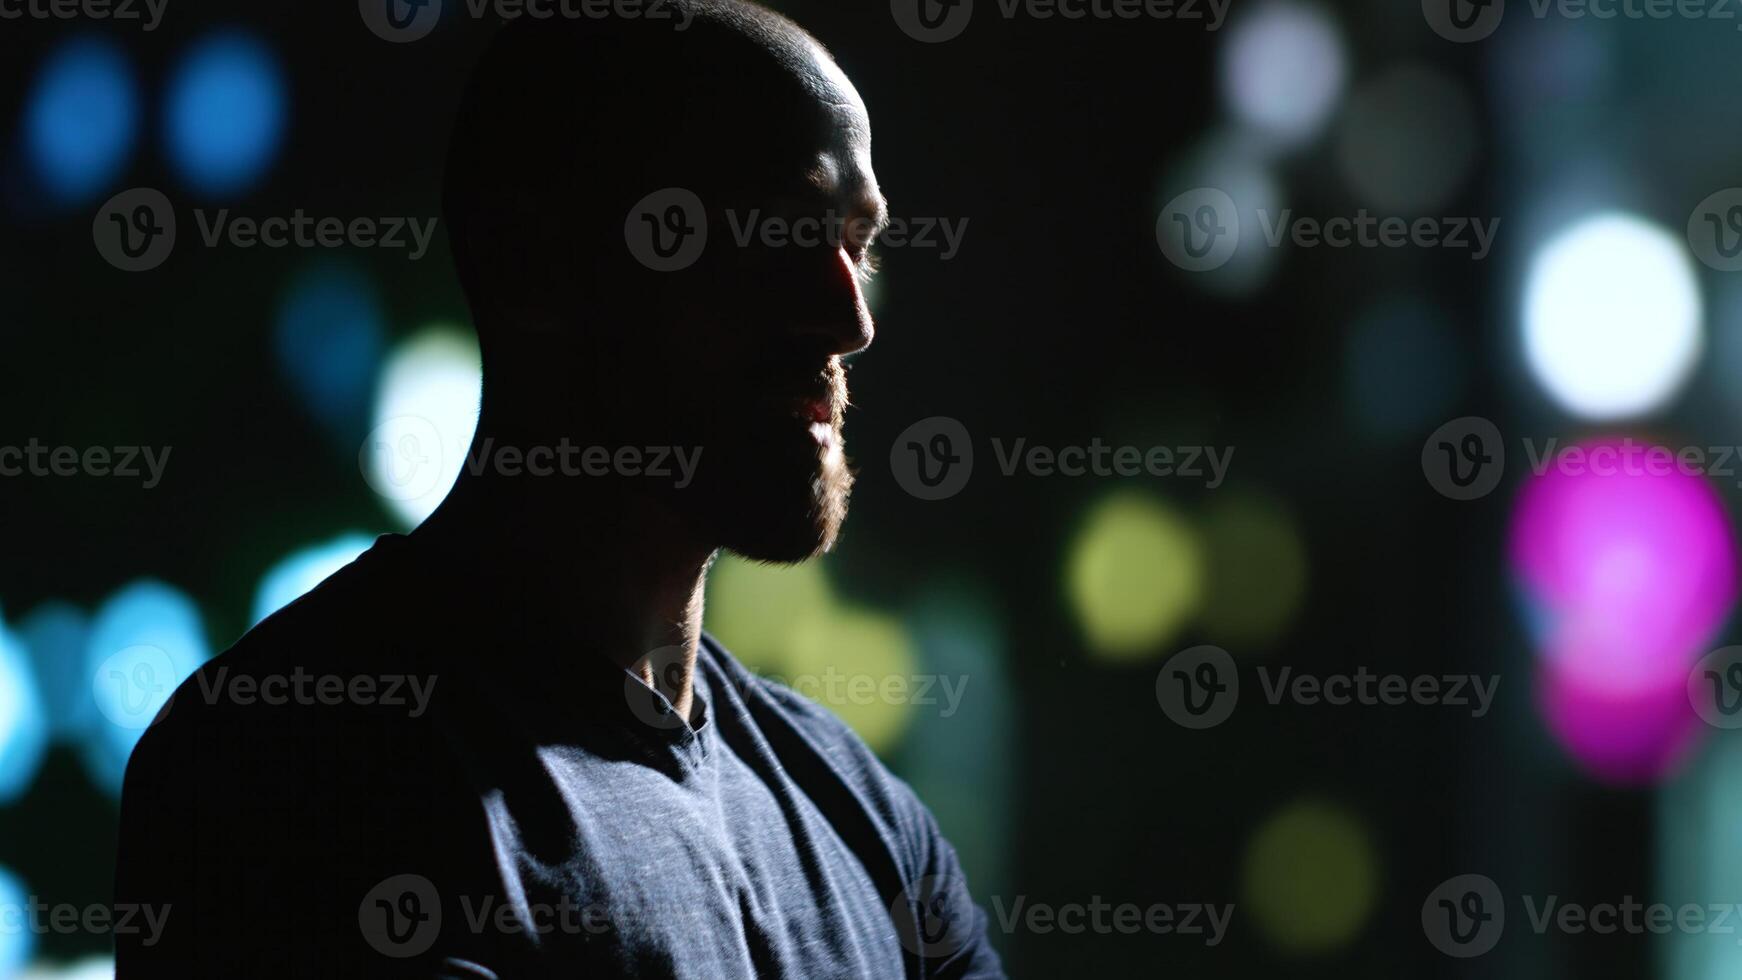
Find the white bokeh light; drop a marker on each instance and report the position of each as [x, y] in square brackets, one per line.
[1612, 316]
[1283, 69]
[426, 409]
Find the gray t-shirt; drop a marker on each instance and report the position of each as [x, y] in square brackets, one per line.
[392, 777]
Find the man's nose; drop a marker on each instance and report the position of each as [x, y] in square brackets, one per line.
[838, 316]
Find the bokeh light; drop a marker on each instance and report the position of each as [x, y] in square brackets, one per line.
[329, 338]
[752, 607]
[1627, 567]
[1134, 575]
[17, 942]
[145, 639]
[1283, 69]
[54, 636]
[426, 410]
[860, 664]
[89, 968]
[304, 569]
[224, 113]
[81, 120]
[23, 722]
[957, 752]
[1612, 316]
[1234, 165]
[1255, 570]
[1405, 369]
[1407, 139]
[1310, 878]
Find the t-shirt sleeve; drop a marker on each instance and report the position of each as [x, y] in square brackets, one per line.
[936, 918]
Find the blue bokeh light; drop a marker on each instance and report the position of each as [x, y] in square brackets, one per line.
[54, 636]
[81, 120]
[302, 570]
[17, 941]
[224, 113]
[23, 724]
[147, 638]
[330, 336]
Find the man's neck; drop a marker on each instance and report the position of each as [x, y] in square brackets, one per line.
[620, 575]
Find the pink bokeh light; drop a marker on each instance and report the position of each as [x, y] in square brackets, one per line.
[1628, 566]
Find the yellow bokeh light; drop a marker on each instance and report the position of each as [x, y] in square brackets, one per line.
[1134, 576]
[753, 608]
[861, 665]
[1255, 570]
[1310, 877]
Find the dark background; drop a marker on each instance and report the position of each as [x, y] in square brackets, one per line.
[1059, 321]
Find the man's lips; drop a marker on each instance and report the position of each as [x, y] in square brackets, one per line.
[815, 408]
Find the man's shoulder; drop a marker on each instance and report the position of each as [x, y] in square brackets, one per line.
[812, 729]
[306, 673]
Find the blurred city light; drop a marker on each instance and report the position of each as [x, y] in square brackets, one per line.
[81, 120]
[1255, 570]
[1700, 859]
[1234, 165]
[304, 569]
[329, 339]
[23, 722]
[1134, 575]
[1612, 316]
[54, 636]
[1310, 878]
[426, 409]
[145, 639]
[1283, 69]
[224, 113]
[860, 664]
[89, 968]
[17, 943]
[958, 758]
[1404, 369]
[752, 608]
[1628, 567]
[1407, 139]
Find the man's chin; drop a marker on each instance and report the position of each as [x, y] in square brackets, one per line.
[785, 527]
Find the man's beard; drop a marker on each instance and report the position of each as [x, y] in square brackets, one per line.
[783, 500]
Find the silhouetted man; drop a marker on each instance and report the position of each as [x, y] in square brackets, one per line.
[588, 786]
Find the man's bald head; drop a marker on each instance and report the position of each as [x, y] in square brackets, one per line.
[567, 127]
[567, 123]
